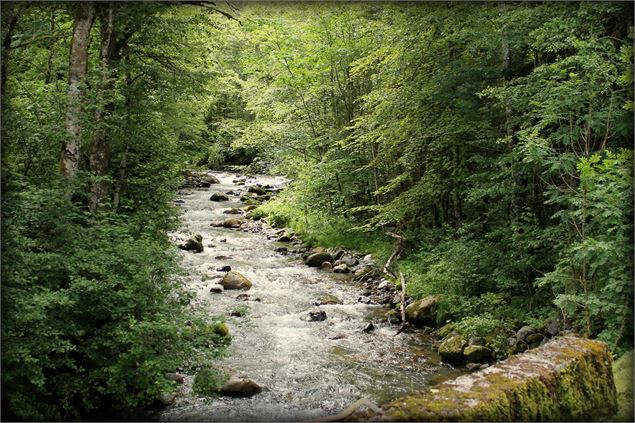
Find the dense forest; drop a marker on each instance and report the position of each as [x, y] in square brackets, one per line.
[493, 141]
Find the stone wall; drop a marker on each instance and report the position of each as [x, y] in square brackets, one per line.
[567, 379]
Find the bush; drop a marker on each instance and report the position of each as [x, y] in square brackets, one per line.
[91, 315]
[208, 381]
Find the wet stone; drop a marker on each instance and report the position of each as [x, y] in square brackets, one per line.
[225, 268]
[316, 316]
[369, 327]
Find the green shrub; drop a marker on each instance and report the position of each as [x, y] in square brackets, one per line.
[208, 381]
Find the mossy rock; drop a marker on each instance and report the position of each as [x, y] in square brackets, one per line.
[623, 375]
[451, 348]
[446, 330]
[567, 379]
[424, 311]
[221, 329]
[235, 280]
[477, 354]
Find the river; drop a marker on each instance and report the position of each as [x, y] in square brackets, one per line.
[307, 369]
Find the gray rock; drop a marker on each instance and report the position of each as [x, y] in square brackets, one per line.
[240, 387]
[316, 259]
[553, 328]
[209, 179]
[342, 268]
[216, 290]
[225, 268]
[282, 250]
[327, 266]
[524, 332]
[217, 196]
[316, 316]
[257, 190]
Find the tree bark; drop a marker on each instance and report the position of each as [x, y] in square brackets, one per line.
[78, 64]
[99, 157]
[11, 15]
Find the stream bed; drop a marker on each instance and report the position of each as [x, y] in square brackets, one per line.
[308, 369]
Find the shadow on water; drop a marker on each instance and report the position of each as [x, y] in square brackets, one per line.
[308, 369]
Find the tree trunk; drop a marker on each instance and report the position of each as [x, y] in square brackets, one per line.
[11, 15]
[99, 158]
[78, 64]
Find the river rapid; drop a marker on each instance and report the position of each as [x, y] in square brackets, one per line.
[308, 369]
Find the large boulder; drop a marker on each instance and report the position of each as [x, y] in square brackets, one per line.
[193, 244]
[316, 259]
[567, 379]
[235, 280]
[423, 311]
[451, 348]
[240, 387]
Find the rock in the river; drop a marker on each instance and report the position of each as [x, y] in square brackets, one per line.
[327, 266]
[210, 179]
[423, 311]
[232, 222]
[342, 268]
[235, 280]
[283, 250]
[222, 240]
[225, 268]
[194, 244]
[369, 327]
[240, 387]
[316, 259]
[477, 354]
[316, 316]
[218, 196]
[451, 348]
[216, 290]
[284, 238]
[327, 299]
[233, 211]
[257, 190]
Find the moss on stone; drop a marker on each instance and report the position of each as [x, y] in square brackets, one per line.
[564, 380]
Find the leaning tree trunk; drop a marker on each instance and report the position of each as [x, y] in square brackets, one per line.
[78, 64]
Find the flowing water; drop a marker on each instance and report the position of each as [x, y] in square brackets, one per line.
[307, 369]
